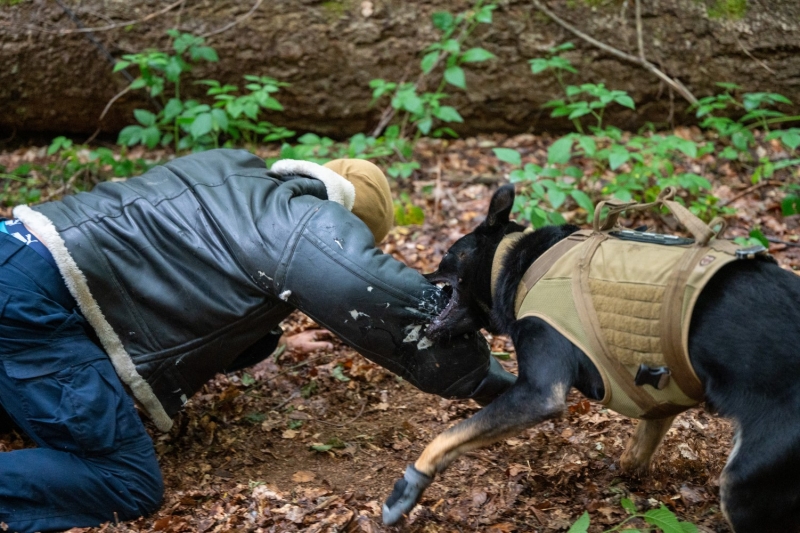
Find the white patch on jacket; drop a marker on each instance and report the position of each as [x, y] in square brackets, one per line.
[76, 282]
[339, 189]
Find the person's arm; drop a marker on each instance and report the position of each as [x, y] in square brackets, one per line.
[381, 308]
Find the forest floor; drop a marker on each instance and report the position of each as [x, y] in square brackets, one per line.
[313, 442]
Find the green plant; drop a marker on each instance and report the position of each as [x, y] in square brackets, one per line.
[19, 185]
[661, 519]
[600, 160]
[737, 135]
[418, 112]
[406, 213]
[190, 124]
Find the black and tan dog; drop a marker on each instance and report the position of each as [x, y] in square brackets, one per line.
[743, 346]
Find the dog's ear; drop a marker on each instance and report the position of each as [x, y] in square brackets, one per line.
[500, 206]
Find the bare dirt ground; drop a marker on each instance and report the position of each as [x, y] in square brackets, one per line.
[313, 442]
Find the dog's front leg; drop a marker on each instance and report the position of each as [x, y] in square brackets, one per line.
[520, 407]
[643, 444]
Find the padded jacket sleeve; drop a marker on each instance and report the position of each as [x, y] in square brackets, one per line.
[377, 305]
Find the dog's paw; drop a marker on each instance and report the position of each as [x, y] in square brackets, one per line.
[405, 495]
[632, 464]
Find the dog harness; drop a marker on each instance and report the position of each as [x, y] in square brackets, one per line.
[625, 299]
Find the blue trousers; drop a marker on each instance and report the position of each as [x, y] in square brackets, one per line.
[94, 461]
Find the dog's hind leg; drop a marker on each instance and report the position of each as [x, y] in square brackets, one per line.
[643, 444]
[760, 485]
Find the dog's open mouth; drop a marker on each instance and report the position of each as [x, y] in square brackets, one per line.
[444, 321]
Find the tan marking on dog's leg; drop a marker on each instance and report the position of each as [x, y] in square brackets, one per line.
[480, 431]
[643, 444]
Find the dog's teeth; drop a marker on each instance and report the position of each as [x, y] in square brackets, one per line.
[441, 285]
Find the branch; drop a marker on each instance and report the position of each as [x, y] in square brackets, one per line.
[676, 84]
[235, 22]
[109, 26]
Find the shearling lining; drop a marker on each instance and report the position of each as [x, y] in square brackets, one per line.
[339, 189]
[79, 288]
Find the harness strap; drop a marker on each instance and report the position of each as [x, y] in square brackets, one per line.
[545, 262]
[675, 355]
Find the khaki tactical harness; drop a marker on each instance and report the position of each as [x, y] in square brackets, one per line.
[628, 304]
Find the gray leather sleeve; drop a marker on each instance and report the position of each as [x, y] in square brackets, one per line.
[377, 305]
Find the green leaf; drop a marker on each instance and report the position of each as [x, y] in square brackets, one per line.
[484, 16]
[790, 205]
[626, 101]
[150, 136]
[476, 55]
[688, 527]
[202, 124]
[588, 145]
[203, 52]
[321, 447]
[442, 20]
[759, 236]
[628, 505]
[247, 379]
[425, 125]
[338, 373]
[144, 117]
[428, 62]
[447, 113]
[455, 76]
[130, 135]
[538, 65]
[451, 46]
[119, 65]
[220, 119]
[791, 138]
[174, 69]
[508, 155]
[583, 200]
[618, 156]
[560, 151]
[173, 108]
[503, 356]
[556, 197]
[581, 525]
[664, 519]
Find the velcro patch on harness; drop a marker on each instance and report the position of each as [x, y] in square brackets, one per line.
[629, 317]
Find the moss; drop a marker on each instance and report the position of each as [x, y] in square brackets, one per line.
[10, 2]
[729, 9]
[335, 8]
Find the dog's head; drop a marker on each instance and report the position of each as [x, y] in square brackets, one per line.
[465, 271]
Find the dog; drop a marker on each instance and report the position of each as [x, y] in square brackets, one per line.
[743, 345]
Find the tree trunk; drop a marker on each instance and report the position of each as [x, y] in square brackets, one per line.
[57, 80]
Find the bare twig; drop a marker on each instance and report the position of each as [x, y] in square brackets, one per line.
[105, 110]
[676, 84]
[235, 22]
[639, 33]
[787, 243]
[748, 190]
[109, 26]
[363, 405]
[751, 56]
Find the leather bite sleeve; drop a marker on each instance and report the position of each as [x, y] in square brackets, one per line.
[377, 305]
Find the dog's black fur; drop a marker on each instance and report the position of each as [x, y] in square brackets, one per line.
[744, 345]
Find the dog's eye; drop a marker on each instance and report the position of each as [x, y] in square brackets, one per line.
[462, 255]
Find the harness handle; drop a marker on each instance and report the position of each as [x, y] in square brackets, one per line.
[701, 231]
